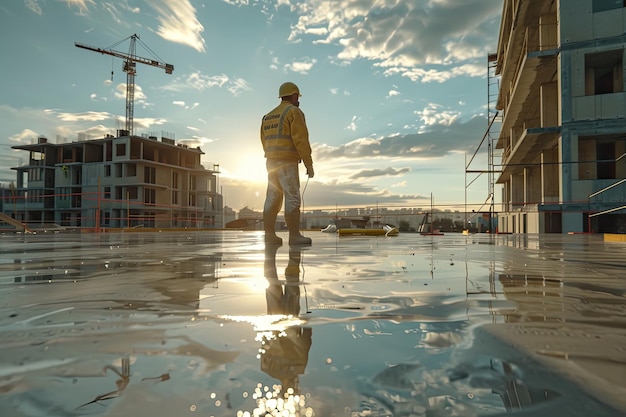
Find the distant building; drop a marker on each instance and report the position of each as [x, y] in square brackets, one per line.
[229, 214]
[117, 182]
[563, 106]
[247, 219]
[248, 213]
[407, 219]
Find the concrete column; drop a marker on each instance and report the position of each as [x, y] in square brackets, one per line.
[549, 177]
[549, 104]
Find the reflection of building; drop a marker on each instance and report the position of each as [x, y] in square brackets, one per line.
[174, 282]
[125, 181]
[537, 298]
[515, 393]
[562, 101]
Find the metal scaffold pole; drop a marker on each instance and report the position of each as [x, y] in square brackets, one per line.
[493, 90]
[490, 138]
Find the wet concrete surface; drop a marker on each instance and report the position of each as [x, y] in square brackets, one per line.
[216, 324]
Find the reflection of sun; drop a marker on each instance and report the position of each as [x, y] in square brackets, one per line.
[277, 400]
[266, 323]
[271, 403]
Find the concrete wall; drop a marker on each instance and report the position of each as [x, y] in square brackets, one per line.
[589, 36]
[579, 22]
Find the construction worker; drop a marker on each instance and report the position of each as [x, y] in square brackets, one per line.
[285, 140]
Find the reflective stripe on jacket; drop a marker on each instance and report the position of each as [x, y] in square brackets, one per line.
[284, 134]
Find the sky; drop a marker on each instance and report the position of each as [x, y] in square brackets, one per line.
[395, 92]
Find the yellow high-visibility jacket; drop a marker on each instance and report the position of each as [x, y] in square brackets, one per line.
[284, 134]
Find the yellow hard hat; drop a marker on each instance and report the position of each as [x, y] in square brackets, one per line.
[287, 89]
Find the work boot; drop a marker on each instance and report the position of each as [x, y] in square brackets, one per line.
[269, 225]
[293, 224]
[272, 239]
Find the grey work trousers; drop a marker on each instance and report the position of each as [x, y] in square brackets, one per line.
[283, 181]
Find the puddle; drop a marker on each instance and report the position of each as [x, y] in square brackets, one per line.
[212, 324]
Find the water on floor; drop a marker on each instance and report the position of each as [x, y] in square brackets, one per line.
[216, 324]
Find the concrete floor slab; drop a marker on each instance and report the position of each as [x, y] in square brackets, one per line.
[216, 324]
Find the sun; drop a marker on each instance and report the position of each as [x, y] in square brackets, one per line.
[249, 167]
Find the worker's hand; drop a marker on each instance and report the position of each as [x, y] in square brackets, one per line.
[310, 172]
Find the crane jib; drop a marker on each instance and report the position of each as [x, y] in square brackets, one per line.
[129, 67]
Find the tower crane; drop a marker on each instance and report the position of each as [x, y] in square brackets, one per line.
[130, 59]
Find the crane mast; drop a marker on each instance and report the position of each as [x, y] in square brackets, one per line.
[129, 67]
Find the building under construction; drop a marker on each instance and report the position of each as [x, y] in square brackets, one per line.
[115, 182]
[122, 181]
[562, 104]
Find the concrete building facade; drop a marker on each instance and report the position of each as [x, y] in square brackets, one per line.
[562, 101]
[115, 182]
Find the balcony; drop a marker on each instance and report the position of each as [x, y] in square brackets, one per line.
[526, 150]
[536, 66]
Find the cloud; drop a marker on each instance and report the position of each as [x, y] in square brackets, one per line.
[116, 11]
[403, 37]
[200, 82]
[195, 141]
[34, 6]
[88, 116]
[179, 23]
[352, 126]
[301, 67]
[316, 31]
[275, 63]
[147, 122]
[81, 123]
[355, 194]
[237, 2]
[370, 173]
[331, 195]
[238, 86]
[440, 138]
[96, 132]
[25, 136]
[83, 5]
[182, 104]
[438, 75]
[116, 15]
[336, 91]
[435, 114]
[120, 92]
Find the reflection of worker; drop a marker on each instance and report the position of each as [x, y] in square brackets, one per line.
[286, 353]
[285, 140]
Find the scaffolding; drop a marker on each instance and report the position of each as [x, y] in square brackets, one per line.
[489, 140]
